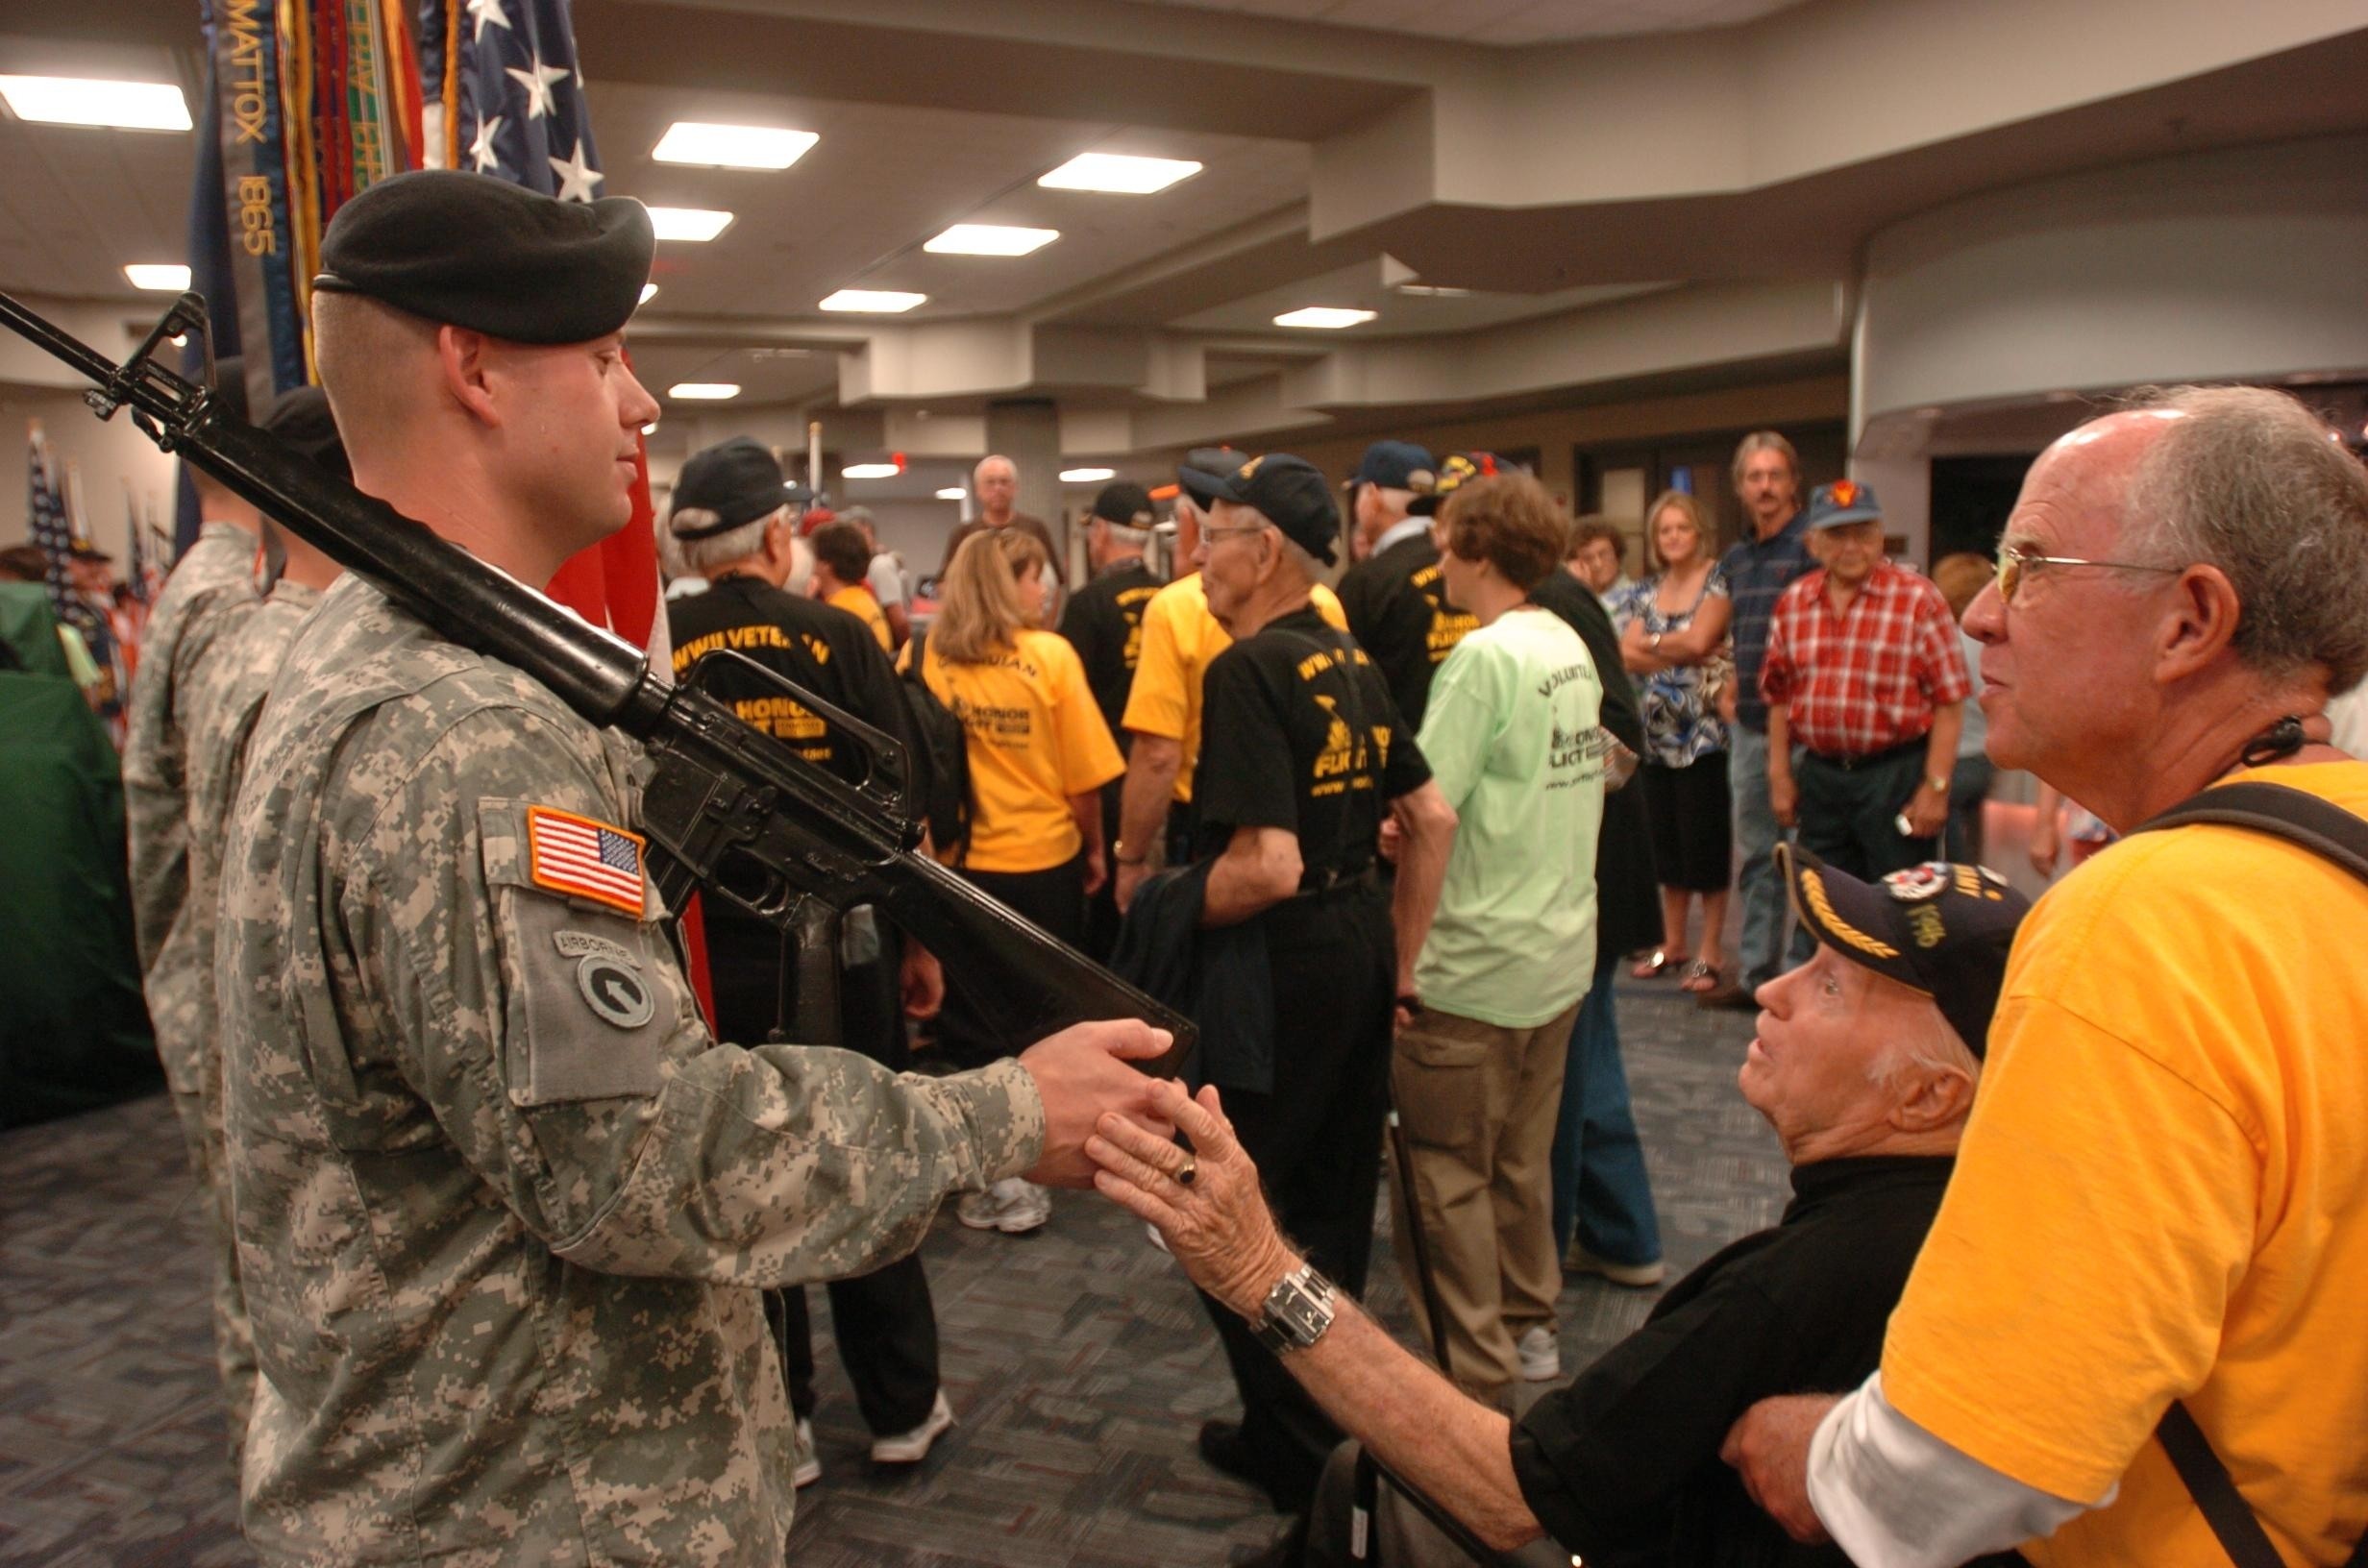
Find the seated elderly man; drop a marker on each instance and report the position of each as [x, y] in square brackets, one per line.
[1865, 1065]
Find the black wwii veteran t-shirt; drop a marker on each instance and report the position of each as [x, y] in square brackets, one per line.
[1298, 731]
[826, 650]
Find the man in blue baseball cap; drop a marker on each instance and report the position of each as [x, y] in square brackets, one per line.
[1864, 672]
[1387, 480]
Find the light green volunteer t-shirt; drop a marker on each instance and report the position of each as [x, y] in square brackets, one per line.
[1510, 735]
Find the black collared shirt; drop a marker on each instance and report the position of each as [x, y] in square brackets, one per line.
[1397, 609]
[1104, 622]
[1299, 732]
[1623, 1465]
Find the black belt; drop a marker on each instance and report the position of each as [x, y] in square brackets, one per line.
[1875, 759]
[1332, 879]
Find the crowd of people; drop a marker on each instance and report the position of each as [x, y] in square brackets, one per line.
[511, 1235]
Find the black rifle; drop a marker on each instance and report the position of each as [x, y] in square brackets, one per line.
[730, 808]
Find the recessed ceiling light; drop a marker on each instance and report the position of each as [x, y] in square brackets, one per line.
[649, 292]
[732, 146]
[127, 106]
[1324, 317]
[1087, 476]
[1431, 291]
[879, 301]
[164, 277]
[991, 239]
[951, 492]
[1118, 175]
[704, 391]
[693, 223]
[869, 471]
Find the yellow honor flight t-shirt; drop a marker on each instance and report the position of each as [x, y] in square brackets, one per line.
[1179, 639]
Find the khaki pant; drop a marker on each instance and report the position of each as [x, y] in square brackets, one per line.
[1477, 1103]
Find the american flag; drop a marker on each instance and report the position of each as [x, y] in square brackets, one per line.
[522, 112]
[45, 507]
[586, 858]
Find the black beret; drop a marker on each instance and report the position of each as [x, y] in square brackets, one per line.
[729, 483]
[480, 253]
[300, 418]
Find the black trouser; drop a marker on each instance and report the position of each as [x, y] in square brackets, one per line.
[1054, 898]
[1848, 806]
[1317, 1140]
[886, 1323]
[1102, 910]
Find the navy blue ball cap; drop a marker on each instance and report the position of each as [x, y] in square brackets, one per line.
[480, 253]
[723, 487]
[1395, 465]
[1941, 928]
[1457, 469]
[1844, 501]
[1290, 493]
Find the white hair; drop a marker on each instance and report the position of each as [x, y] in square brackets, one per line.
[688, 557]
[1931, 1048]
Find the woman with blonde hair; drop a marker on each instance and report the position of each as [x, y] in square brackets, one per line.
[1039, 755]
[1676, 623]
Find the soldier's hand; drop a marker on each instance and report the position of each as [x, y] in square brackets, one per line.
[1082, 1073]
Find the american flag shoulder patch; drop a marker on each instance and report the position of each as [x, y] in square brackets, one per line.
[585, 859]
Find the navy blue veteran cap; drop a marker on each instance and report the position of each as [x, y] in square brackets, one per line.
[1455, 471]
[723, 486]
[1204, 470]
[1395, 465]
[1124, 503]
[1939, 928]
[1844, 501]
[480, 253]
[1290, 493]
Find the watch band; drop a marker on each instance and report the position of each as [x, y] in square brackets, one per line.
[1937, 783]
[1297, 1313]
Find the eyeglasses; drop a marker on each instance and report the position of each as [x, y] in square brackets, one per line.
[2014, 564]
[1213, 534]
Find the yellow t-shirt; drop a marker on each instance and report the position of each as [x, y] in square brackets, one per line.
[2163, 1192]
[1035, 738]
[857, 599]
[1179, 639]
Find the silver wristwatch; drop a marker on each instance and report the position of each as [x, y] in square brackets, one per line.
[1298, 1311]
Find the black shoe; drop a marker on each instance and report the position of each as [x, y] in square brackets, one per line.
[1222, 1447]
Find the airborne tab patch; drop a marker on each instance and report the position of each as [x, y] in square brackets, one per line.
[585, 859]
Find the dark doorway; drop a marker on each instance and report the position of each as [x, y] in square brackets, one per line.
[1971, 497]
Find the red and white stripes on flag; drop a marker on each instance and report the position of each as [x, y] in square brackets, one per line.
[585, 859]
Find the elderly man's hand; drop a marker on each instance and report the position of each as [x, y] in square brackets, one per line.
[1217, 1223]
[1132, 874]
[1768, 1447]
[1083, 1076]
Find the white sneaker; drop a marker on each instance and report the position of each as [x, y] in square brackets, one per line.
[912, 1447]
[805, 1464]
[1012, 1206]
[1542, 1354]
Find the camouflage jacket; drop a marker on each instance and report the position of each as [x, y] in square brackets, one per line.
[501, 1200]
[211, 588]
[224, 696]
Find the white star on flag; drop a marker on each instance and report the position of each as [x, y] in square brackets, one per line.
[536, 80]
[577, 177]
[481, 151]
[486, 12]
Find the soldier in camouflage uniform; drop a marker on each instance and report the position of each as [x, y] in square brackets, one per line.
[502, 1205]
[210, 591]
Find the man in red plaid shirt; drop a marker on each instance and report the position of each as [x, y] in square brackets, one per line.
[1863, 670]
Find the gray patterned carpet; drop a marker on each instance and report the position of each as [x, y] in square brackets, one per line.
[1077, 1358]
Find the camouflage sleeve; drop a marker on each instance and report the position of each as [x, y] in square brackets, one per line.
[557, 1043]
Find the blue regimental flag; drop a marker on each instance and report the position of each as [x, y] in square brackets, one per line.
[522, 111]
